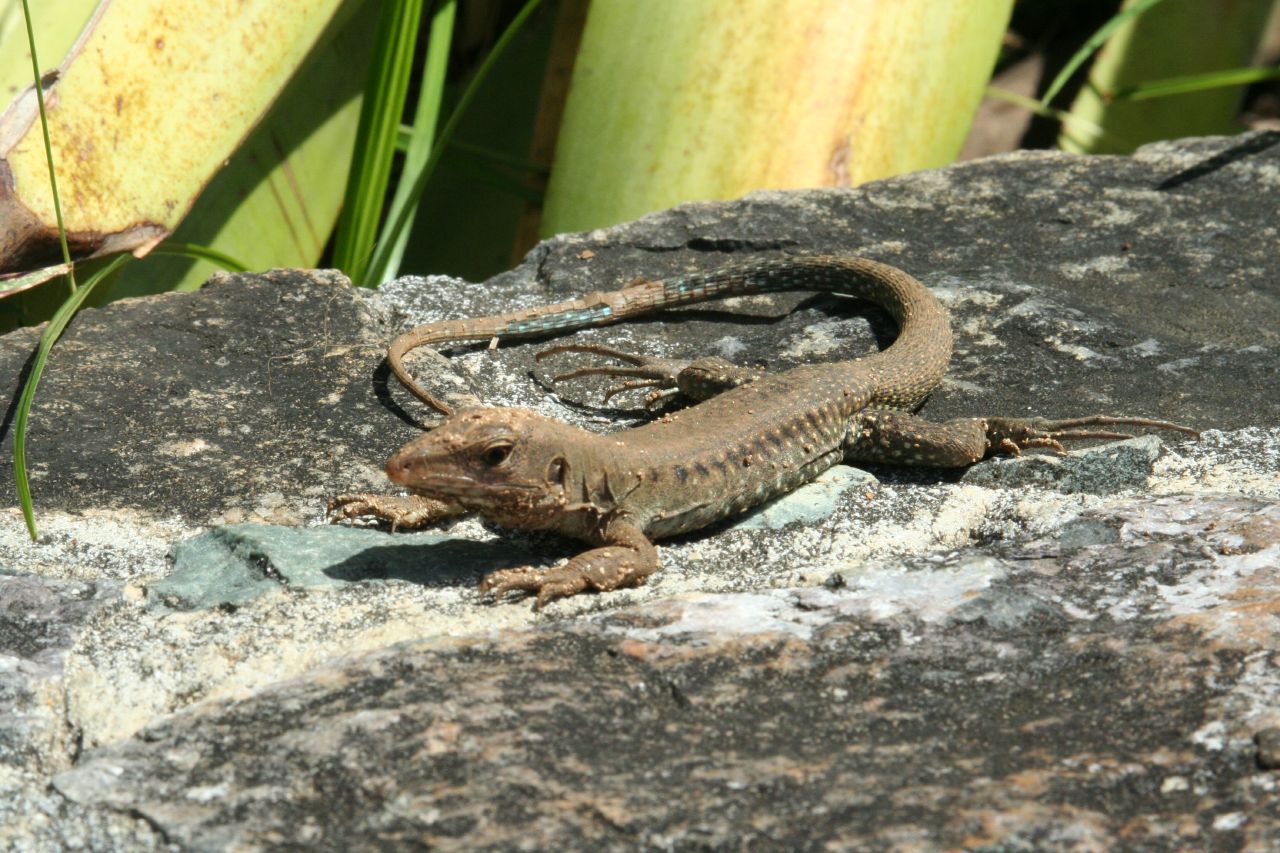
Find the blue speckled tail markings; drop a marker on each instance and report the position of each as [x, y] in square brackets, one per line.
[924, 340]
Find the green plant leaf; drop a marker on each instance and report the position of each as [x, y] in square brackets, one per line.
[50, 336]
[1171, 40]
[140, 123]
[274, 203]
[385, 91]
[673, 102]
[1091, 44]
[397, 224]
[1194, 83]
[422, 136]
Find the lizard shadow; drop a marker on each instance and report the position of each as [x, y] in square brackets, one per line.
[443, 562]
[11, 411]
[881, 325]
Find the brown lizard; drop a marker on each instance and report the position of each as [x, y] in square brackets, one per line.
[753, 436]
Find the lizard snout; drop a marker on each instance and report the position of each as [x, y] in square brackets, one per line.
[400, 466]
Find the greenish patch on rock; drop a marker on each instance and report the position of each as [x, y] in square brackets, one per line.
[240, 562]
[810, 503]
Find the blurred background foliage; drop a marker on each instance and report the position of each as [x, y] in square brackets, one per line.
[673, 97]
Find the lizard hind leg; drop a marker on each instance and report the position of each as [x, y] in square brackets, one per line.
[900, 438]
[697, 379]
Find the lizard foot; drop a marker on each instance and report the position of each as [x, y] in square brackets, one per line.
[1013, 435]
[659, 374]
[409, 512]
[601, 570]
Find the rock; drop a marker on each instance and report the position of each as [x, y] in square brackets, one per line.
[1101, 470]
[241, 402]
[949, 699]
[1039, 653]
[1268, 741]
[40, 618]
[235, 564]
[812, 502]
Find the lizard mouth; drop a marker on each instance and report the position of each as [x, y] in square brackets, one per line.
[465, 487]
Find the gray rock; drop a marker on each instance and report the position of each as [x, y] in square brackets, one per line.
[35, 817]
[235, 564]
[1042, 653]
[1098, 470]
[941, 699]
[1268, 741]
[40, 618]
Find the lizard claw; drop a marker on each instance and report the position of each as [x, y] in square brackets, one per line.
[549, 584]
[410, 512]
[1013, 435]
[643, 372]
[601, 569]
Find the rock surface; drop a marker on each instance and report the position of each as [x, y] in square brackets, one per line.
[1040, 653]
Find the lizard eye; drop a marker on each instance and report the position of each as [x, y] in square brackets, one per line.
[496, 454]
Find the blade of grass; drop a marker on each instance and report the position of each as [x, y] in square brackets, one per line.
[1194, 83]
[50, 335]
[499, 158]
[1063, 117]
[397, 224]
[1092, 44]
[426, 118]
[385, 94]
[204, 253]
[48, 145]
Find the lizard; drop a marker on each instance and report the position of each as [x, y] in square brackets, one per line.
[750, 437]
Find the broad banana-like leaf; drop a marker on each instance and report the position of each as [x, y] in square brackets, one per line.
[55, 24]
[1172, 39]
[274, 204]
[673, 100]
[147, 105]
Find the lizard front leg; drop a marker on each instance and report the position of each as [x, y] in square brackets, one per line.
[627, 558]
[901, 438]
[409, 512]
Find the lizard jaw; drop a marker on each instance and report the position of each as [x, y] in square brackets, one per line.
[408, 470]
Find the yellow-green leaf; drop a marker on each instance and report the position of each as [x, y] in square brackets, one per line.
[149, 103]
[674, 100]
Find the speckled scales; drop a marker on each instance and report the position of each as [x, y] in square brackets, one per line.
[763, 435]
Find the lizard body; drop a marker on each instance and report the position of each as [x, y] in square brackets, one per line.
[753, 436]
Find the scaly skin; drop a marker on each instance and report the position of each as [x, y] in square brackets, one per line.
[753, 437]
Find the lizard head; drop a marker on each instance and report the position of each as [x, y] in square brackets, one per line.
[510, 465]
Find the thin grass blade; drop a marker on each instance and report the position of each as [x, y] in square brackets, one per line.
[1195, 83]
[1094, 42]
[385, 94]
[398, 224]
[426, 119]
[50, 336]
